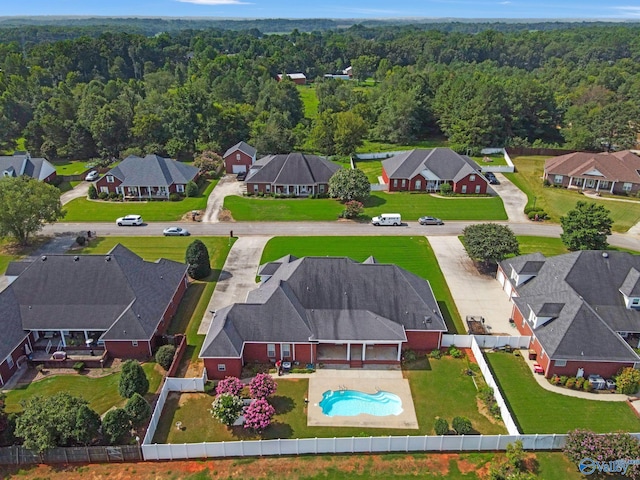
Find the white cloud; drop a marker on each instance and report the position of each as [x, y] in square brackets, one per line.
[633, 10]
[215, 2]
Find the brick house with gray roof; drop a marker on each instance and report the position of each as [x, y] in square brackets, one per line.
[56, 302]
[582, 309]
[291, 174]
[21, 163]
[239, 158]
[422, 170]
[325, 309]
[151, 177]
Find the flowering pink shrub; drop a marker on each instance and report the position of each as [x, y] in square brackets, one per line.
[258, 415]
[230, 385]
[262, 386]
[605, 447]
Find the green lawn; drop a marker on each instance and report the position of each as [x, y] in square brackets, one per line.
[411, 253]
[83, 210]
[4, 261]
[309, 99]
[373, 146]
[537, 410]
[548, 246]
[410, 206]
[101, 393]
[372, 168]
[496, 159]
[558, 201]
[70, 167]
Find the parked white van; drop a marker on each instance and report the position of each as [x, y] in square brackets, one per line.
[387, 219]
[129, 220]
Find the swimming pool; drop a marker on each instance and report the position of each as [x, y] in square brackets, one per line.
[349, 403]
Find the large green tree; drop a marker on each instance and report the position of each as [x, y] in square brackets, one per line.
[197, 258]
[115, 425]
[586, 227]
[490, 242]
[27, 204]
[349, 133]
[132, 380]
[349, 184]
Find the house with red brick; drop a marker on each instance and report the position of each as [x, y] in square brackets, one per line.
[329, 310]
[239, 158]
[582, 309]
[610, 172]
[151, 177]
[115, 305]
[21, 163]
[421, 170]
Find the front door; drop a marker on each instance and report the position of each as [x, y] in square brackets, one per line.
[418, 185]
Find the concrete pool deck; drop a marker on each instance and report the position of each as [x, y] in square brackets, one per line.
[362, 380]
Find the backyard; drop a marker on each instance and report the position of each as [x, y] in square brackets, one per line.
[537, 410]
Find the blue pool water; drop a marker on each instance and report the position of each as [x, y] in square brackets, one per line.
[349, 403]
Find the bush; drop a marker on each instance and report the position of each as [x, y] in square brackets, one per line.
[563, 379]
[80, 240]
[579, 383]
[92, 193]
[113, 195]
[132, 380]
[586, 386]
[115, 425]
[174, 197]
[555, 380]
[230, 385]
[191, 190]
[258, 415]
[138, 409]
[103, 195]
[352, 209]
[226, 408]
[197, 257]
[446, 189]
[437, 354]
[461, 425]
[606, 448]
[454, 352]
[262, 386]
[409, 356]
[164, 356]
[485, 393]
[441, 426]
[571, 382]
[78, 366]
[627, 381]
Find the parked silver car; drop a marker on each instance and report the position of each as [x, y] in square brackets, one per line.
[430, 221]
[175, 232]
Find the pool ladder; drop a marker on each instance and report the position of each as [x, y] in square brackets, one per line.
[342, 388]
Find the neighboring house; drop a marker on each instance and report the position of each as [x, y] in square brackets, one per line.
[21, 163]
[421, 170]
[153, 176]
[613, 172]
[348, 71]
[120, 301]
[239, 158]
[582, 309]
[291, 174]
[329, 310]
[297, 78]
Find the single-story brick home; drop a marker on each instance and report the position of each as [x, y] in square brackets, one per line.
[153, 176]
[21, 163]
[421, 170]
[119, 301]
[291, 174]
[612, 172]
[239, 158]
[582, 309]
[331, 310]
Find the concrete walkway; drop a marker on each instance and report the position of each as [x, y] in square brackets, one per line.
[238, 276]
[228, 185]
[79, 191]
[513, 198]
[474, 294]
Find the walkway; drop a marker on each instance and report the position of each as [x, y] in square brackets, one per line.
[238, 276]
[473, 293]
[228, 185]
[80, 191]
[513, 198]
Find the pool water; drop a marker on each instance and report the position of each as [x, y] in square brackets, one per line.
[349, 403]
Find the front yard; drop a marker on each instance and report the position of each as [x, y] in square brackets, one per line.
[537, 410]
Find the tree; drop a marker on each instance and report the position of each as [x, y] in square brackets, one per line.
[208, 161]
[132, 379]
[197, 257]
[164, 356]
[461, 425]
[350, 129]
[138, 409]
[262, 386]
[258, 415]
[27, 204]
[226, 408]
[364, 66]
[349, 184]
[490, 242]
[230, 385]
[446, 188]
[586, 227]
[87, 425]
[115, 425]
[4, 421]
[191, 190]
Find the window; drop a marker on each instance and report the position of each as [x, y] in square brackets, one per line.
[104, 189]
[472, 178]
[557, 179]
[635, 301]
[604, 184]
[395, 182]
[477, 188]
[404, 182]
[255, 187]
[267, 188]
[238, 156]
[560, 363]
[321, 187]
[418, 184]
[222, 367]
[626, 186]
[134, 343]
[286, 349]
[464, 189]
[109, 178]
[10, 361]
[180, 188]
[271, 350]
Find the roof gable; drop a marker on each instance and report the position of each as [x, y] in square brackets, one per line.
[152, 170]
[242, 147]
[433, 164]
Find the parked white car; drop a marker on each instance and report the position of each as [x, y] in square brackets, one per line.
[92, 176]
[129, 221]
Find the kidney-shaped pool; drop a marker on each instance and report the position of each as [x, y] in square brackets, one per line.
[349, 403]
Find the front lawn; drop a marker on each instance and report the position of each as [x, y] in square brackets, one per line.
[549, 246]
[101, 393]
[537, 410]
[84, 210]
[411, 253]
[410, 206]
[558, 201]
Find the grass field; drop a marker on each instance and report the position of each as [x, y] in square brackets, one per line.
[410, 206]
[372, 168]
[537, 410]
[411, 253]
[83, 210]
[373, 146]
[70, 167]
[309, 99]
[558, 201]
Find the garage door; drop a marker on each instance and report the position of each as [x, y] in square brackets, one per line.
[500, 278]
[239, 168]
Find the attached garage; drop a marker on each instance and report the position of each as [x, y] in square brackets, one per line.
[239, 169]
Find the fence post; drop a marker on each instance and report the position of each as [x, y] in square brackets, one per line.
[389, 443]
[441, 441]
[461, 442]
[316, 445]
[242, 447]
[406, 445]
[334, 444]
[370, 443]
[498, 444]
[353, 441]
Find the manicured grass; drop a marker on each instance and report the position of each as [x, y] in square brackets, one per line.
[410, 206]
[372, 168]
[372, 146]
[537, 410]
[546, 245]
[309, 99]
[70, 167]
[411, 253]
[495, 160]
[438, 388]
[101, 393]
[558, 201]
[83, 210]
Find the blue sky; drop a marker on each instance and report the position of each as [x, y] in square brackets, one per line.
[579, 9]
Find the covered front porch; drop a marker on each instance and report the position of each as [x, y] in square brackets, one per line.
[358, 353]
[297, 190]
[586, 183]
[144, 192]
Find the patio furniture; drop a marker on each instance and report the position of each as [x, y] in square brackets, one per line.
[537, 368]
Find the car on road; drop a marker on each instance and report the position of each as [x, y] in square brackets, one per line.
[92, 176]
[430, 221]
[491, 178]
[393, 219]
[129, 221]
[175, 232]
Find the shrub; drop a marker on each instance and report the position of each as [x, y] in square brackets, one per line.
[546, 182]
[226, 408]
[132, 380]
[579, 383]
[461, 425]
[606, 447]
[485, 393]
[258, 415]
[446, 189]
[138, 409]
[78, 366]
[262, 386]
[586, 386]
[197, 257]
[437, 354]
[103, 195]
[441, 426]
[409, 356]
[164, 356]
[494, 410]
[230, 385]
[352, 209]
[571, 382]
[92, 193]
[555, 380]
[115, 425]
[563, 379]
[627, 381]
[113, 195]
[80, 240]
[191, 189]
[454, 352]
[174, 197]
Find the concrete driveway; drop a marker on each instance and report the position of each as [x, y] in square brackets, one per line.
[228, 185]
[238, 276]
[513, 198]
[474, 294]
[79, 191]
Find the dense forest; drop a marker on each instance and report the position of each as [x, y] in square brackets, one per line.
[177, 93]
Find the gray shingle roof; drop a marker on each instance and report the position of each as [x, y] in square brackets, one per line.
[271, 267]
[292, 169]
[12, 331]
[437, 163]
[631, 285]
[243, 147]
[21, 163]
[328, 298]
[153, 171]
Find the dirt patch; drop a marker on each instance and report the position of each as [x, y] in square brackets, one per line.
[225, 216]
[484, 411]
[189, 216]
[185, 397]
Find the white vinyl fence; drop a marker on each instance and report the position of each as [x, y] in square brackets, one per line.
[508, 168]
[377, 156]
[485, 341]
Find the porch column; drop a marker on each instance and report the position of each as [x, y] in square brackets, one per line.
[598, 185]
[64, 341]
[612, 184]
[86, 336]
[399, 352]
[364, 352]
[348, 351]
[570, 179]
